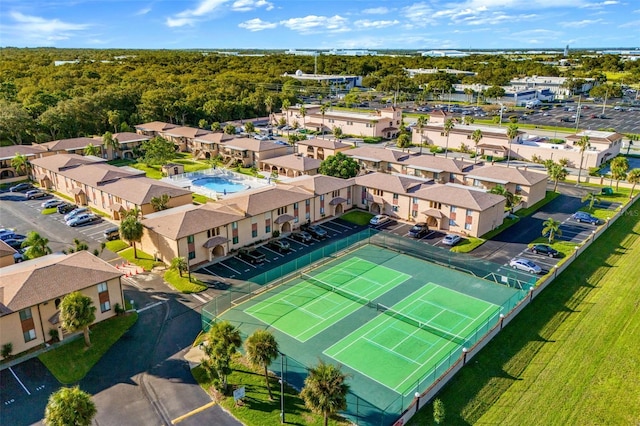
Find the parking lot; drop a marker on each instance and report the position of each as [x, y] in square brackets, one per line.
[590, 118]
[401, 229]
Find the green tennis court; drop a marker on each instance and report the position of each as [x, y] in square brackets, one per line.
[413, 336]
[317, 302]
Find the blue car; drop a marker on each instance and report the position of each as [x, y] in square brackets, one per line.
[584, 217]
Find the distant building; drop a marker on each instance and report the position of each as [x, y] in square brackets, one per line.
[346, 82]
[444, 53]
[301, 52]
[553, 84]
[566, 51]
[353, 52]
[415, 71]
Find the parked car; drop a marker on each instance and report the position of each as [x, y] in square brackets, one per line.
[65, 208]
[584, 217]
[7, 234]
[14, 243]
[34, 193]
[418, 230]
[19, 256]
[525, 265]
[82, 219]
[21, 187]
[302, 236]
[451, 239]
[315, 231]
[75, 212]
[251, 256]
[379, 219]
[545, 250]
[111, 234]
[51, 203]
[280, 245]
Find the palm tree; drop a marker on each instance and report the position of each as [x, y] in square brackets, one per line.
[583, 144]
[92, 149]
[69, 406]
[420, 124]
[619, 168]
[303, 113]
[110, 143]
[285, 106]
[323, 111]
[21, 164]
[179, 264]
[448, 125]
[591, 198]
[160, 203]
[512, 133]
[477, 137]
[268, 102]
[633, 178]
[78, 313]
[38, 246]
[557, 173]
[132, 230]
[223, 341]
[512, 199]
[551, 228]
[262, 349]
[325, 390]
[337, 132]
[404, 141]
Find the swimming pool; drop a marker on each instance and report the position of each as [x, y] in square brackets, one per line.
[220, 184]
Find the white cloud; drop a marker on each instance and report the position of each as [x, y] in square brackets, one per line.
[632, 24]
[191, 16]
[599, 5]
[376, 11]
[312, 24]
[420, 14]
[143, 11]
[367, 24]
[580, 24]
[257, 24]
[247, 5]
[36, 29]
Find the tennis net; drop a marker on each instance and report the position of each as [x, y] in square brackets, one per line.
[416, 323]
[342, 292]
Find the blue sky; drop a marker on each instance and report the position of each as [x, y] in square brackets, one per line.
[320, 24]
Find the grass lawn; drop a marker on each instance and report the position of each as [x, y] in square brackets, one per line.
[143, 259]
[467, 244]
[51, 210]
[199, 199]
[550, 196]
[258, 410]
[116, 245]
[357, 217]
[570, 357]
[71, 362]
[182, 284]
[565, 247]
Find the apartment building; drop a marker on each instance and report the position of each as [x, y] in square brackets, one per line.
[321, 148]
[7, 153]
[530, 185]
[378, 160]
[31, 292]
[292, 165]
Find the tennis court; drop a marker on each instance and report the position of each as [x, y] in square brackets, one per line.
[319, 301]
[410, 338]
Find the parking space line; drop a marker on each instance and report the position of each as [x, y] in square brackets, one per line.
[21, 384]
[324, 225]
[399, 226]
[195, 296]
[228, 267]
[213, 273]
[297, 242]
[244, 261]
[272, 251]
[341, 225]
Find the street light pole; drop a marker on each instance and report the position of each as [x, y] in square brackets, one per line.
[282, 388]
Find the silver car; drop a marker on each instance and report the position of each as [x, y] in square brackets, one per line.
[525, 265]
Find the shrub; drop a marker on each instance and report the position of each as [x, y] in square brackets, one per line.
[372, 140]
[53, 333]
[435, 149]
[557, 141]
[7, 350]
[594, 171]
[275, 233]
[119, 310]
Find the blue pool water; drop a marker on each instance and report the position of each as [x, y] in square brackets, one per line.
[220, 184]
[634, 163]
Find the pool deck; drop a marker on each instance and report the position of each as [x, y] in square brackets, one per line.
[185, 180]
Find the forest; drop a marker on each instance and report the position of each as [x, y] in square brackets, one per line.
[112, 90]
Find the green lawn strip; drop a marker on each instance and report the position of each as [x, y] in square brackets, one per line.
[199, 199]
[143, 259]
[50, 210]
[505, 122]
[152, 172]
[567, 358]
[257, 409]
[550, 196]
[565, 247]
[467, 245]
[357, 217]
[116, 245]
[71, 361]
[248, 171]
[182, 284]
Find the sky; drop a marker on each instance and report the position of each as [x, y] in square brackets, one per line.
[320, 24]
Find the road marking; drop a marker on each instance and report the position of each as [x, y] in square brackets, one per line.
[21, 384]
[243, 261]
[399, 226]
[272, 251]
[131, 282]
[228, 267]
[192, 412]
[341, 225]
[213, 273]
[195, 296]
[153, 305]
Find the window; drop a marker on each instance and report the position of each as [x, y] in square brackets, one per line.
[395, 208]
[453, 209]
[295, 206]
[105, 306]
[476, 182]
[307, 202]
[296, 219]
[435, 205]
[192, 255]
[235, 240]
[234, 225]
[307, 216]
[436, 176]
[102, 287]
[414, 213]
[469, 212]
[414, 200]
[349, 123]
[389, 166]
[322, 211]
[335, 194]
[254, 233]
[29, 335]
[25, 314]
[395, 196]
[378, 192]
[213, 232]
[322, 197]
[452, 222]
[282, 210]
[518, 189]
[467, 226]
[267, 229]
[190, 239]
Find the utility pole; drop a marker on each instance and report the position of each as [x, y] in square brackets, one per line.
[604, 105]
[578, 113]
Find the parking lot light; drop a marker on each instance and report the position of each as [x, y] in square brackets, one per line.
[501, 321]
[417, 396]
[464, 355]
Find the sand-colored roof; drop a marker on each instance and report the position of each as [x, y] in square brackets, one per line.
[294, 162]
[377, 154]
[515, 175]
[126, 137]
[8, 152]
[187, 132]
[391, 183]
[99, 174]
[216, 137]
[324, 144]
[456, 195]
[189, 219]
[6, 249]
[437, 164]
[46, 278]
[71, 144]
[596, 136]
[250, 144]
[155, 126]
[265, 199]
[321, 184]
[63, 161]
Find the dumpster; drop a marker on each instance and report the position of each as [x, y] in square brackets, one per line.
[606, 191]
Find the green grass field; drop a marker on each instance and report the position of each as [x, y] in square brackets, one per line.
[571, 357]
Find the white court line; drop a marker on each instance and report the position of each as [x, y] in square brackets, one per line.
[21, 384]
[227, 266]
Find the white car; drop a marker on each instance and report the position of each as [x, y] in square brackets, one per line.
[379, 219]
[451, 239]
[74, 213]
[51, 203]
[82, 219]
[525, 265]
